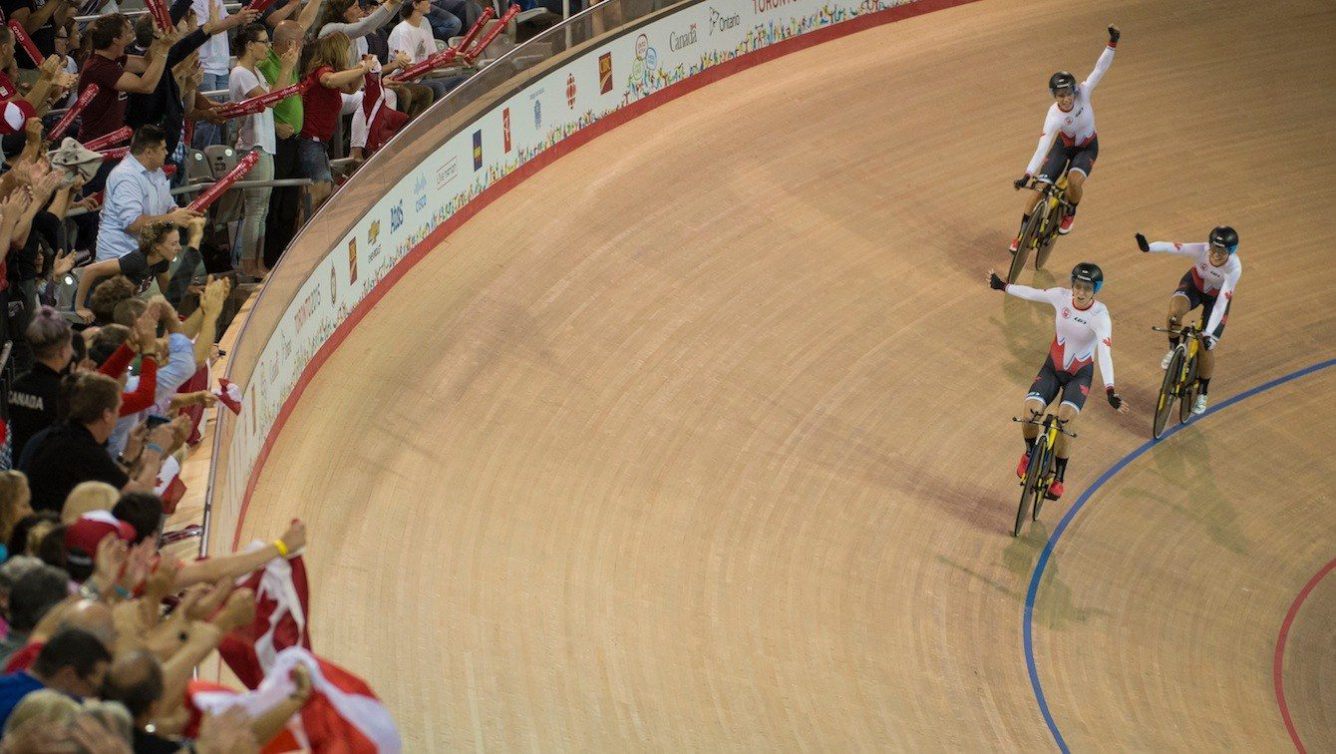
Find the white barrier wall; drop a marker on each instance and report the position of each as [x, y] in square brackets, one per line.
[573, 96]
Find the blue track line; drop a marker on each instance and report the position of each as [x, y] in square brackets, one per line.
[1033, 591]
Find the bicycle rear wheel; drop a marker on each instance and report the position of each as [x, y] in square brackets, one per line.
[1168, 391]
[1189, 396]
[1030, 484]
[1029, 232]
[1046, 244]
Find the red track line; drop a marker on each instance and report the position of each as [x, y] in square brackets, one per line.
[1278, 665]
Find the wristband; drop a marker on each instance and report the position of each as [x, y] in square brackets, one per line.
[282, 548]
[122, 592]
[154, 447]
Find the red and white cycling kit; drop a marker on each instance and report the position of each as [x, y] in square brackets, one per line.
[1076, 127]
[1081, 335]
[1211, 281]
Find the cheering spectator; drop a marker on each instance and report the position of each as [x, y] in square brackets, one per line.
[73, 451]
[138, 196]
[36, 591]
[256, 133]
[348, 17]
[216, 59]
[40, 21]
[159, 246]
[322, 105]
[34, 396]
[15, 503]
[413, 38]
[116, 74]
[285, 201]
[86, 498]
[166, 104]
[29, 531]
[73, 662]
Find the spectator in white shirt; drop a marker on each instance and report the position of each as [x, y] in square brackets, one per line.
[255, 134]
[413, 37]
[216, 59]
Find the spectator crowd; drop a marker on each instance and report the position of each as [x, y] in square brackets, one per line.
[115, 292]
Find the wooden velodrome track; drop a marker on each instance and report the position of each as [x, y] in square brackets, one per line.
[700, 439]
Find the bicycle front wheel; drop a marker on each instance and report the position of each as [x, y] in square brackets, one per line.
[1029, 232]
[1030, 485]
[1168, 391]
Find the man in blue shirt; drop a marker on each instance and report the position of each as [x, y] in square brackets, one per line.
[73, 662]
[137, 196]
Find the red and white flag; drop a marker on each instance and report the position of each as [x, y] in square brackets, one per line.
[228, 394]
[170, 487]
[343, 715]
[282, 606]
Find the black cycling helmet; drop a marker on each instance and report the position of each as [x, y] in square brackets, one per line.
[1090, 273]
[1225, 237]
[1061, 80]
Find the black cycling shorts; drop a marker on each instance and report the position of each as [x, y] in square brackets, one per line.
[1074, 386]
[1187, 288]
[1081, 158]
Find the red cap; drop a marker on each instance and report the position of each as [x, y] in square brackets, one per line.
[82, 536]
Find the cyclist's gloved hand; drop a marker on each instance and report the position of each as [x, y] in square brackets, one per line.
[995, 282]
[1114, 34]
[1019, 183]
[1142, 243]
[1115, 400]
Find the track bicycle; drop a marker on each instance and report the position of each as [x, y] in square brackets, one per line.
[1040, 232]
[1180, 379]
[1039, 474]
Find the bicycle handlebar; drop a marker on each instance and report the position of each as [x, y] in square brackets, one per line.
[1039, 423]
[1178, 330]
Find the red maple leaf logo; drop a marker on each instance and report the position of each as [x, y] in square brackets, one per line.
[1108, 342]
[1085, 390]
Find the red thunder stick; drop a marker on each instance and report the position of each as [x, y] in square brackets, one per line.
[438, 60]
[259, 6]
[25, 41]
[255, 105]
[513, 11]
[487, 14]
[118, 153]
[161, 16]
[63, 125]
[211, 194]
[111, 139]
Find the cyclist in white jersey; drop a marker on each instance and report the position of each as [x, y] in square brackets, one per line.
[1069, 138]
[1214, 275]
[1083, 335]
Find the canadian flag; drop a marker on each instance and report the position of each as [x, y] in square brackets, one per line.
[228, 394]
[343, 715]
[282, 604]
[170, 487]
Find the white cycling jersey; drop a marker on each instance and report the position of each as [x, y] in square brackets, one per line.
[1216, 282]
[1081, 336]
[1076, 127]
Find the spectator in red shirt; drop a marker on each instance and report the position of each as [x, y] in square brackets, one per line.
[116, 74]
[322, 105]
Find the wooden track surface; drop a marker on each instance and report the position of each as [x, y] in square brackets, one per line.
[716, 454]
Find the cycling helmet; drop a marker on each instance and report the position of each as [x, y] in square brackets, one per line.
[1090, 273]
[1225, 237]
[1061, 80]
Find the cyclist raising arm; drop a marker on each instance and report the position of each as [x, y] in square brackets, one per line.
[1069, 137]
[1214, 275]
[1083, 334]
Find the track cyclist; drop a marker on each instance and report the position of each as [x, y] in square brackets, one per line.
[1214, 275]
[1084, 334]
[1068, 138]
